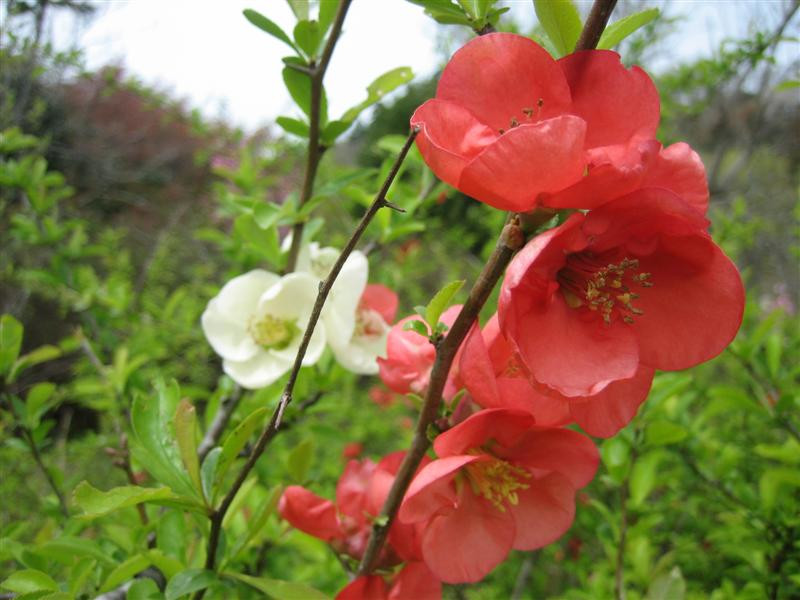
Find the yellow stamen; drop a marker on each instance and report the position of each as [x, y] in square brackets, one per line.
[497, 480]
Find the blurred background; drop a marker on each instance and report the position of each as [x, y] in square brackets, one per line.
[136, 138]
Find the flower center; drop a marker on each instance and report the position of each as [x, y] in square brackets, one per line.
[529, 113]
[497, 480]
[369, 323]
[272, 333]
[603, 287]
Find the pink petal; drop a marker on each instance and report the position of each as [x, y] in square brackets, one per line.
[432, 491]
[554, 449]
[369, 587]
[504, 426]
[309, 513]
[545, 511]
[679, 169]
[416, 582]
[382, 300]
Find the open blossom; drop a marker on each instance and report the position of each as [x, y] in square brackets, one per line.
[637, 282]
[256, 323]
[346, 525]
[495, 377]
[373, 318]
[409, 356]
[511, 127]
[500, 482]
[414, 581]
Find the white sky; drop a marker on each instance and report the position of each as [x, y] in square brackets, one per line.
[206, 52]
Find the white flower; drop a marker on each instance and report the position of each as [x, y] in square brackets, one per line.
[256, 323]
[359, 354]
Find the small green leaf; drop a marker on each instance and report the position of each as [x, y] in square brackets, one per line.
[66, 548]
[36, 403]
[280, 590]
[257, 522]
[33, 358]
[143, 589]
[186, 434]
[670, 586]
[619, 30]
[307, 35]
[785, 86]
[381, 86]
[441, 301]
[263, 23]
[208, 471]
[299, 86]
[237, 439]
[188, 581]
[333, 130]
[295, 126]
[96, 503]
[643, 477]
[125, 571]
[79, 574]
[416, 326]
[166, 564]
[561, 22]
[327, 13]
[28, 581]
[662, 433]
[299, 8]
[10, 342]
[771, 483]
[299, 461]
[774, 348]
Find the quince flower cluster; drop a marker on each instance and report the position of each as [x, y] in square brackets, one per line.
[257, 320]
[630, 281]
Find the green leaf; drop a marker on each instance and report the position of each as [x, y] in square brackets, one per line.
[774, 348]
[166, 564]
[32, 358]
[308, 35]
[643, 477]
[208, 471]
[299, 8]
[125, 571]
[95, 503]
[36, 403]
[561, 22]
[772, 481]
[333, 130]
[66, 548]
[416, 326]
[381, 86]
[327, 14]
[280, 590]
[188, 581]
[444, 11]
[619, 30]
[785, 86]
[28, 581]
[661, 433]
[263, 23]
[670, 586]
[186, 434]
[266, 214]
[299, 460]
[79, 574]
[294, 126]
[143, 589]
[10, 342]
[257, 522]
[299, 86]
[237, 439]
[441, 301]
[153, 443]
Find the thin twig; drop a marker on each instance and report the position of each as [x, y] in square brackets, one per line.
[595, 24]
[316, 73]
[274, 424]
[62, 503]
[227, 405]
[511, 239]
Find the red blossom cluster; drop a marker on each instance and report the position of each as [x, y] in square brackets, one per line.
[630, 281]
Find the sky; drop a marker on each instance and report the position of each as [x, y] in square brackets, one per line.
[207, 53]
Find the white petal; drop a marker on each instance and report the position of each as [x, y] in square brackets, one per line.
[291, 298]
[260, 371]
[360, 355]
[303, 263]
[343, 301]
[228, 336]
[239, 297]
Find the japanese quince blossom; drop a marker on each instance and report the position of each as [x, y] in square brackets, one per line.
[256, 324]
[636, 283]
[346, 525]
[514, 128]
[500, 482]
[373, 317]
[414, 581]
[495, 377]
[409, 357]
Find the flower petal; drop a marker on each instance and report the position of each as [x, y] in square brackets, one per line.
[503, 425]
[367, 587]
[679, 169]
[415, 582]
[616, 103]
[264, 368]
[526, 161]
[464, 545]
[501, 75]
[558, 450]
[544, 511]
[382, 300]
[309, 513]
[431, 491]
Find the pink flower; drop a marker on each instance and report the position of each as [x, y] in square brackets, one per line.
[409, 356]
[413, 581]
[500, 482]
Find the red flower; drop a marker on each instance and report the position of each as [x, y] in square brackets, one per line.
[496, 378]
[500, 483]
[509, 123]
[637, 282]
[346, 526]
[414, 581]
[410, 356]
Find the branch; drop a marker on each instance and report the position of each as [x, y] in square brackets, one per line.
[595, 24]
[316, 73]
[272, 428]
[62, 503]
[226, 407]
[511, 239]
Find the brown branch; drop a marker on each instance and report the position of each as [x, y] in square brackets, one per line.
[226, 407]
[595, 24]
[272, 428]
[511, 239]
[316, 73]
